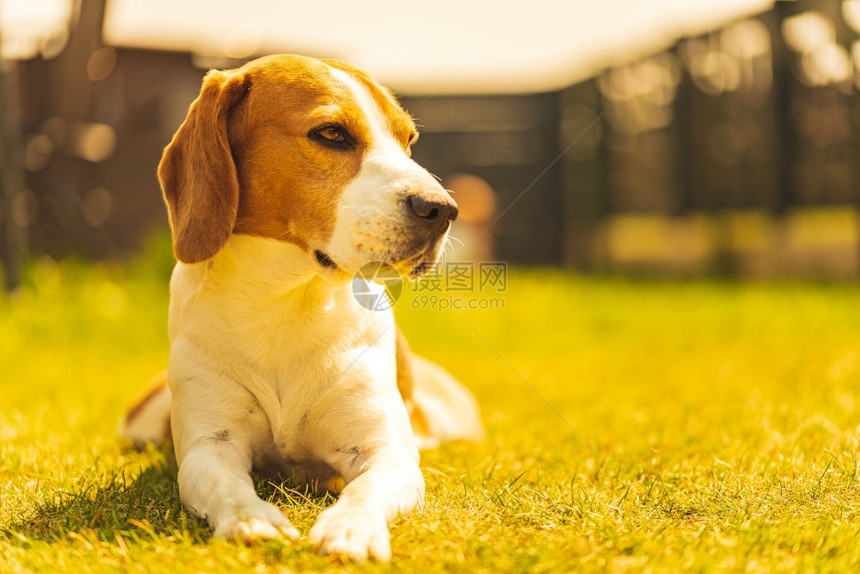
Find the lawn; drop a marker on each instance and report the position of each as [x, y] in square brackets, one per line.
[632, 426]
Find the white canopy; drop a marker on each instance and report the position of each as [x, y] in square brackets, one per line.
[442, 46]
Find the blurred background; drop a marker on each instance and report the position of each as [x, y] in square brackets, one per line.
[669, 137]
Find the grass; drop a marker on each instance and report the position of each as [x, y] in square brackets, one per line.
[632, 426]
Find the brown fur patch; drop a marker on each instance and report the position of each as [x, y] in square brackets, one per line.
[290, 184]
[404, 367]
[406, 386]
[197, 174]
[168, 430]
[153, 388]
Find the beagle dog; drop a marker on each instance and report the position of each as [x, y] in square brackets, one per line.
[287, 176]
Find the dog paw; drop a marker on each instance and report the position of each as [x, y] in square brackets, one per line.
[351, 533]
[258, 521]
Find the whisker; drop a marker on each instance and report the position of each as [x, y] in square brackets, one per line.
[448, 250]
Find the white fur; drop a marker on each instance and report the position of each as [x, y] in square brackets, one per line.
[273, 367]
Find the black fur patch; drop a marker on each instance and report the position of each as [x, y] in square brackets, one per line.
[221, 436]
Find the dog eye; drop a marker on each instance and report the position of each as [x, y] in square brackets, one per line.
[412, 137]
[332, 135]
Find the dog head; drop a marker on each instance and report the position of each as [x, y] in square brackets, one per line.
[311, 152]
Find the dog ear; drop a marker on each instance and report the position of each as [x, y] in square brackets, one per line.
[197, 172]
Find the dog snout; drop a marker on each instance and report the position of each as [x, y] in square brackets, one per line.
[435, 213]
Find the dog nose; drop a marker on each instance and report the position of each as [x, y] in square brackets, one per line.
[432, 211]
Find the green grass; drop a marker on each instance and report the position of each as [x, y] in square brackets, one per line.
[721, 423]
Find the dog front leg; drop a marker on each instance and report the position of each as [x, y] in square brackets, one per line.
[215, 483]
[380, 485]
[214, 441]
